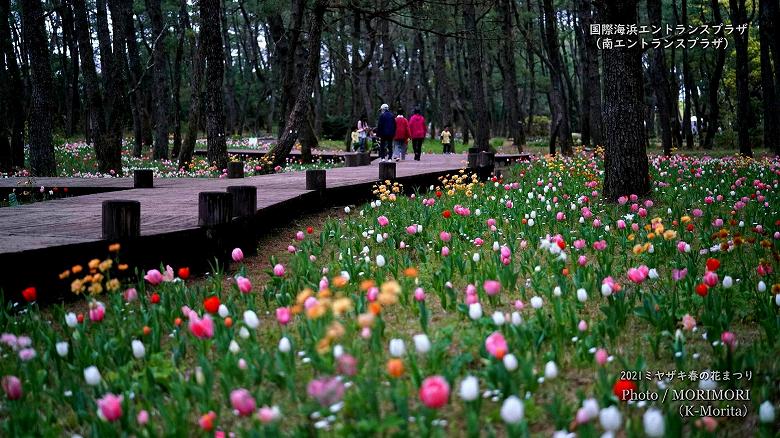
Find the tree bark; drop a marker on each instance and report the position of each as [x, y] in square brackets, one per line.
[160, 77]
[560, 126]
[739, 17]
[511, 99]
[184, 25]
[625, 158]
[687, 84]
[298, 116]
[658, 75]
[473, 50]
[211, 40]
[42, 161]
[196, 101]
[714, 82]
[769, 101]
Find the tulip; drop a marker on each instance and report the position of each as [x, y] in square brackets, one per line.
[383, 221]
[510, 362]
[96, 311]
[421, 343]
[62, 348]
[610, 419]
[154, 277]
[536, 302]
[346, 364]
[201, 328]
[237, 255]
[512, 410]
[498, 318]
[729, 339]
[727, 282]
[92, 376]
[434, 392]
[139, 351]
[30, 294]
[244, 285]
[142, 417]
[269, 414]
[496, 345]
[710, 278]
[397, 348]
[279, 270]
[12, 387]
[206, 422]
[326, 390]
[71, 320]
[110, 407]
[419, 294]
[766, 412]
[492, 287]
[688, 322]
[445, 236]
[475, 311]
[251, 320]
[242, 402]
[601, 356]
[550, 370]
[653, 422]
[130, 295]
[380, 260]
[469, 388]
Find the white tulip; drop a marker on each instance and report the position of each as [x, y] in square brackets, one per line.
[557, 291]
[71, 320]
[610, 419]
[347, 210]
[652, 274]
[469, 388]
[379, 238]
[496, 246]
[498, 318]
[397, 347]
[536, 302]
[223, 311]
[62, 348]
[582, 296]
[510, 362]
[233, 347]
[284, 345]
[516, 318]
[766, 412]
[92, 375]
[727, 282]
[243, 333]
[421, 343]
[653, 421]
[475, 257]
[338, 351]
[606, 290]
[251, 320]
[591, 408]
[512, 410]
[380, 260]
[139, 351]
[550, 370]
[475, 311]
[761, 286]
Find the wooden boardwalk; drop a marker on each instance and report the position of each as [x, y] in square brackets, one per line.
[172, 205]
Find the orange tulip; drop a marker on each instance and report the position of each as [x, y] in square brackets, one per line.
[395, 367]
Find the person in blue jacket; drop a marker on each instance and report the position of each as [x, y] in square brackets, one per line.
[385, 130]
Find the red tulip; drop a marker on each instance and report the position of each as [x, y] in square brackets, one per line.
[713, 264]
[310, 230]
[701, 289]
[155, 298]
[211, 304]
[446, 214]
[184, 273]
[624, 389]
[30, 294]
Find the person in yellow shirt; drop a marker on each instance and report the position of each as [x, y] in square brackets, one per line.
[355, 140]
[446, 141]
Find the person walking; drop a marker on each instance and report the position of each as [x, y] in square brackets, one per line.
[385, 130]
[446, 140]
[417, 130]
[401, 136]
[362, 130]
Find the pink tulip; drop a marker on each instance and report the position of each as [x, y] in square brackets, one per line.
[326, 390]
[372, 294]
[244, 285]
[96, 312]
[26, 354]
[679, 274]
[491, 222]
[346, 365]
[237, 255]
[472, 299]
[710, 278]
[434, 392]
[299, 236]
[206, 422]
[445, 251]
[560, 216]
[110, 407]
[688, 322]
[383, 221]
[445, 236]
[601, 356]
[729, 339]
[582, 260]
[411, 229]
[579, 243]
[492, 287]
[506, 252]
[12, 387]
[266, 415]
[638, 275]
[130, 295]
[291, 249]
[496, 345]
[324, 283]
[310, 302]
[519, 305]
[142, 417]
[621, 224]
[201, 328]
[154, 277]
[283, 315]
[582, 326]
[278, 270]
[419, 294]
[242, 401]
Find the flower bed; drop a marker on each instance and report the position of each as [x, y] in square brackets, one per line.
[522, 305]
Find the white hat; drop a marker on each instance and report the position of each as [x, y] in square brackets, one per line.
[384, 107]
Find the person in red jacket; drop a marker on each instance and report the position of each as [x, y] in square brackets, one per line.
[417, 132]
[401, 136]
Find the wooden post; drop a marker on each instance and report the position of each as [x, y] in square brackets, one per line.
[214, 208]
[365, 158]
[235, 169]
[386, 171]
[143, 178]
[487, 164]
[473, 157]
[121, 219]
[351, 160]
[244, 200]
[315, 179]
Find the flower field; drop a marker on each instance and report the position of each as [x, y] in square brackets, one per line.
[525, 305]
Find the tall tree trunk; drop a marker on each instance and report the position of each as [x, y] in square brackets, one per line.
[230, 102]
[298, 116]
[625, 158]
[42, 161]
[115, 94]
[739, 17]
[473, 50]
[442, 81]
[714, 82]
[560, 125]
[184, 20]
[137, 98]
[769, 100]
[196, 102]
[688, 84]
[6, 102]
[160, 77]
[211, 40]
[511, 99]
[658, 75]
